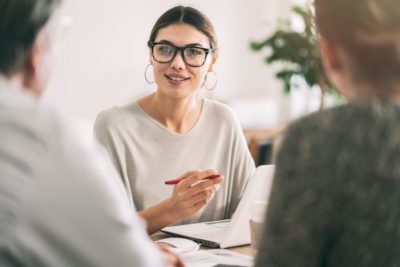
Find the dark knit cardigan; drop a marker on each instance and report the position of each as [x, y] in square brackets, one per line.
[335, 199]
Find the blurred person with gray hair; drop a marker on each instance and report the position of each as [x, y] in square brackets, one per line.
[61, 202]
[336, 192]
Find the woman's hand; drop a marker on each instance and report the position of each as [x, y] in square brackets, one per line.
[173, 259]
[192, 193]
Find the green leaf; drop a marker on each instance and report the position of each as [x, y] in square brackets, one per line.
[298, 49]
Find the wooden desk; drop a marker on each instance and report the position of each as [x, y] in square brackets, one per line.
[256, 138]
[246, 249]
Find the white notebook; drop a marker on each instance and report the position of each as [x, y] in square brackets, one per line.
[234, 232]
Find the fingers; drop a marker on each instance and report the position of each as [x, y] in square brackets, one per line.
[203, 195]
[203, 190]
[201, 199]
[206, 184]
[173, 259]
[196, 183]
[196, 176]
[188, 174]
[191, 200]
[193, 192]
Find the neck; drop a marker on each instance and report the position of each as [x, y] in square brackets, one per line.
[20, 81]
[368, 91]
[178, 115]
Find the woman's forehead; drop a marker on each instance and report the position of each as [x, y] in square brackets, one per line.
[182, 34]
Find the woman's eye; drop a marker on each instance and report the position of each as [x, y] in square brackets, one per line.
[193, 51]
[164, 49]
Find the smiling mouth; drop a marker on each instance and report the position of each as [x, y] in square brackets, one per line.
[176, 78]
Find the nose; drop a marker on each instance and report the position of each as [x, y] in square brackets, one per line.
[178, 62]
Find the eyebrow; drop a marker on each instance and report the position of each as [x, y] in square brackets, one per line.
[188, 45]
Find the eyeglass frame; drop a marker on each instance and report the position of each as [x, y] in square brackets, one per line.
[181, 49]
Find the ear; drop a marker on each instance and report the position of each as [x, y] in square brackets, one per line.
[214, 59]
[35, 71]
[31, 66]
[337, 66]
[330, 55]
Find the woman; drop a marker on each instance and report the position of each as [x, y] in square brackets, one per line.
[174, 131]
[336, 192]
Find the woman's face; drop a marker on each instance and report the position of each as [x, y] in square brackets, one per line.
[177, 79]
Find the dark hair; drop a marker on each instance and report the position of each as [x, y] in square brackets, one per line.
[188, 15]
[370, 31]
[20, 23]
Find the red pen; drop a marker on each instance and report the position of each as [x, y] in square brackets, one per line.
[176, 181]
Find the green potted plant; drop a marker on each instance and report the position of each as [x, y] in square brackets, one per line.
[298, 51]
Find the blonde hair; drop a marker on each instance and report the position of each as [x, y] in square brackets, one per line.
[370, 31]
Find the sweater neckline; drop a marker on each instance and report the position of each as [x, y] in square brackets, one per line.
[199, 121]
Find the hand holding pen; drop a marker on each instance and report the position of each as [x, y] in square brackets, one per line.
[177, 180]
[192, 191]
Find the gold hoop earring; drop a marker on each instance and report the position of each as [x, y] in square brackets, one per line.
[214, 83]
[145, 75]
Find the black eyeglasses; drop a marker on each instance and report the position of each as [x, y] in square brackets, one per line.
[193, 56]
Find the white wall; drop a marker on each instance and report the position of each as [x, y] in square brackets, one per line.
[104, 54]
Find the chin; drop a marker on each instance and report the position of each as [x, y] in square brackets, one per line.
[178, 95]
[176, 92]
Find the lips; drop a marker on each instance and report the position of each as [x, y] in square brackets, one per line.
[176, 78]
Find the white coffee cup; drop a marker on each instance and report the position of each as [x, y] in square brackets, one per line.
[257, 214]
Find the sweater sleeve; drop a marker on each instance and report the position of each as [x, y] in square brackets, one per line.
[243, 165]
[106, 136]
[109, 137]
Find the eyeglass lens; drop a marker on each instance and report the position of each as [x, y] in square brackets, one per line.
[193, 56]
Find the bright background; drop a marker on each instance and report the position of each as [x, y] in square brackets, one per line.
[104, 54]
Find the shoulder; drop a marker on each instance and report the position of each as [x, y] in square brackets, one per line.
[116, 113]
[349, 119]
[222, 116]
[349, 144]
[31, 134]
[360, 130]
[30, 121]
[42, 140]
[116, 116]
[220, 111]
